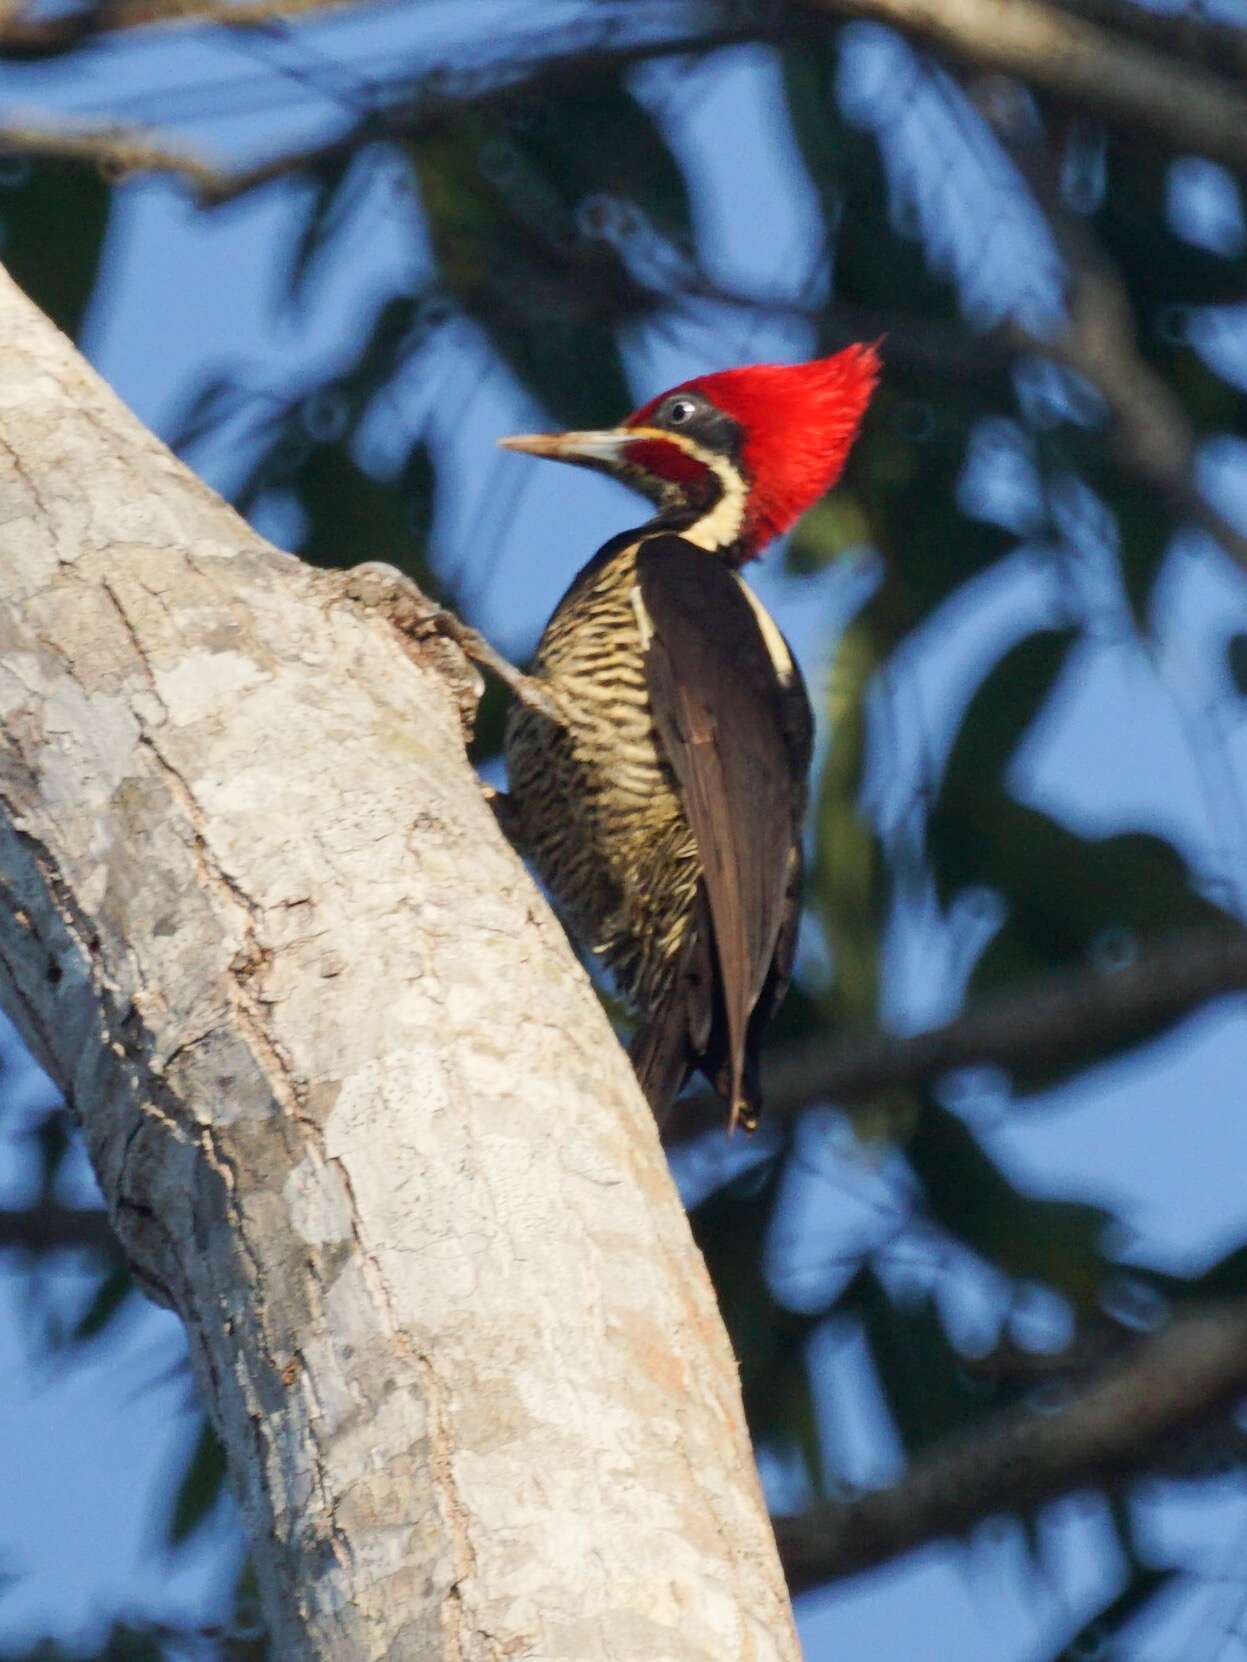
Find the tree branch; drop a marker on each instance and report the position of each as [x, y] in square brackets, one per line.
[1112, 72]
[115, 151]
[1116, 1426]
[353, 1106]
[1056, 1020]
[23, 36]
[563, 57]
[1148, 429]
[1096, 69]
[1190, 34]
[47, 1228]
[440, 96]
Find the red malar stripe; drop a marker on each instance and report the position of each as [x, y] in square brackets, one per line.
[666, 461]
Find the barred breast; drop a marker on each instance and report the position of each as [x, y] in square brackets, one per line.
[597, 805]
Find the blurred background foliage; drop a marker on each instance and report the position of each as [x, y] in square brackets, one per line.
[1021, 615]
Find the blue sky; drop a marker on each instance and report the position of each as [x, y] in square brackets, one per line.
[89, 1439]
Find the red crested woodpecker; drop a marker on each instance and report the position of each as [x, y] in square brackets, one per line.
[663, 806]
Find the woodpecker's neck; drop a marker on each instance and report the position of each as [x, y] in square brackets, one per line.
[708, 507]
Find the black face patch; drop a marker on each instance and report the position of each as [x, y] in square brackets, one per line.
[691, 414]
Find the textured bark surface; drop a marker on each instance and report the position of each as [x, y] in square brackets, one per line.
[354, 1108]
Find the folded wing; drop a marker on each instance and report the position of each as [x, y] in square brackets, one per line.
[733, 721]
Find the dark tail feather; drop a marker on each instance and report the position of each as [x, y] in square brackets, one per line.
[744, 1105]
[666, 1049]
[660, 1058]
[664, 1055]
[689, 1032]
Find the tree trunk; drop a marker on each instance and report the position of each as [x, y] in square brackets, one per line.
[353, 1105]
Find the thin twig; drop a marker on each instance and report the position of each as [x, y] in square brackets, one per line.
[431, 101]
[39, 37]
[441, 97]
[1188, 34]
[44, 1228]
[1149, 430]
[116, 151]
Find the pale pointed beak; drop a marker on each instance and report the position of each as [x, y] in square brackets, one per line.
[606, 446]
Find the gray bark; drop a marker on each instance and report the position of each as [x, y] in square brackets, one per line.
[353, 1105]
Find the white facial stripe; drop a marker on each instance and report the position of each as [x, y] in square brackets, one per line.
[720, 526]
[775, 645]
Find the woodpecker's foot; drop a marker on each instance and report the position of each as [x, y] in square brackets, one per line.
[525, 689]
[377, 587]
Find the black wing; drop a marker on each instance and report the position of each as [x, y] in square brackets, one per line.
[736, 731]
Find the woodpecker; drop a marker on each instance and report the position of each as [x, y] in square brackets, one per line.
[660, 792]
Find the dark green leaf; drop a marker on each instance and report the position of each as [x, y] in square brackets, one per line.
[512, 250]
[1159, 267]
[1001, 711]
[354, 517]
[1236, 661]
[54, 1138]
[1227, 1278]
[336, 184]
[204, 409]
[770, 1342]
[200, 1488]
[124, 1644]
[1099, 1637]
[129, 1644]
[590, 137]
[876, 266]
[919, 1372]
[108, 1298]
[1067, 896]
[847, 872]
[53, 220]
[1057, 1242]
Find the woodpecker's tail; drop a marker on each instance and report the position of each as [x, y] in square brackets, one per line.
[671, 1041]
[687, 1033]
[661, 1061]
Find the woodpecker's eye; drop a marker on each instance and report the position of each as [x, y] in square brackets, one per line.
[680, 411]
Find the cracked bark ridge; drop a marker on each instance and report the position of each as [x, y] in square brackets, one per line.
[354, 1108]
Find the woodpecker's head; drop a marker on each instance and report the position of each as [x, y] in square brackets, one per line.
[733, 459]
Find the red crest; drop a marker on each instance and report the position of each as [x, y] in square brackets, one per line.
[799, 422]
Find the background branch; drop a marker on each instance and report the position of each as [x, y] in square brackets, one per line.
[1054, 1019]
[558, 58]
[1097, 69]
[1149, 430]
[44, 1228]
[116, 151]
[1188, 33]
[1115, 72]
[24, 36]
[1102, 1433]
